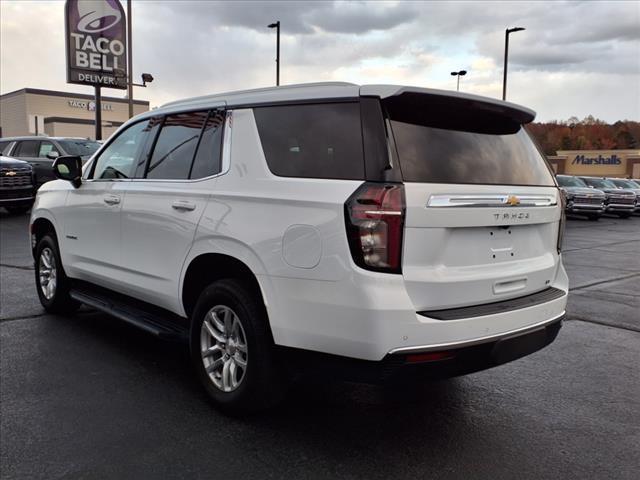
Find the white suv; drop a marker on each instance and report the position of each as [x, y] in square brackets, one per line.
[375, 230]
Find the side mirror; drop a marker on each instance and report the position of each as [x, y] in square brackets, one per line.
[52, 155]
[69, 168]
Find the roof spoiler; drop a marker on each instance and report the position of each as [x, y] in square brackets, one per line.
[426, 97]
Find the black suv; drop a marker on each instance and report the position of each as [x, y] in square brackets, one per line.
[580, 198]
[620, 201]
[41, 151]
[17, 189]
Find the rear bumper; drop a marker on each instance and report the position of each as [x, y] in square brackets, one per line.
[378, 318]
[434, 362]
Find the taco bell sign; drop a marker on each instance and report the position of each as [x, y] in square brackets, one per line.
[96, 43]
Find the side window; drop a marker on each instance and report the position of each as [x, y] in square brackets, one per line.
[207, 161]
[176, 145]
[313, 141]
[118, 160]
[46, 147]
[27, 148]
[3, 146]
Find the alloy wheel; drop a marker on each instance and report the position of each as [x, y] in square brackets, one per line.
[47, 273]
[223, 348]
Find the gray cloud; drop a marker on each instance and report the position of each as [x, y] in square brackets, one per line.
[197, 47]
[296, 17]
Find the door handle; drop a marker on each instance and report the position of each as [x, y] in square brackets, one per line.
[183, 205]
[111, 199]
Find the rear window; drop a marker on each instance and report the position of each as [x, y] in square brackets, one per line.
[312, 141]
[444, 144]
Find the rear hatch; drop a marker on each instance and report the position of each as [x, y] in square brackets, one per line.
[482, 207]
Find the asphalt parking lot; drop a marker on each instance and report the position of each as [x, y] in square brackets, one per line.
[89, 397]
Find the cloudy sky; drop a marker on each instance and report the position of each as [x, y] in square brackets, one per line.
[574, 59]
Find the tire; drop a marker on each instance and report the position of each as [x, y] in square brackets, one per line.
[624, 215]
[18, 210]
[51, 282]
[259, 383]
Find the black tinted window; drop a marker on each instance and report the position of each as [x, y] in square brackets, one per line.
[27, 148]
[176, 145]
[207, 161]
[436, 155]
[441, 141]
[3, 146]
[316, 141]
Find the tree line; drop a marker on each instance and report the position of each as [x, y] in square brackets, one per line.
[587, 134]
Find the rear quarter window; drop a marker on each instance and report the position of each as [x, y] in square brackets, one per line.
[312, 141]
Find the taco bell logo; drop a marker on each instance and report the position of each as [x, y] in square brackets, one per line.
[97, 16]
[96, 43]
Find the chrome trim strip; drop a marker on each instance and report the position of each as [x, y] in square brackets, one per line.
[383, 212]
[476, 341]
[19, 199]
[491, 200]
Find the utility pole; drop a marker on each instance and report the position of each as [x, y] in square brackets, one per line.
[129, 59]
[98, 113]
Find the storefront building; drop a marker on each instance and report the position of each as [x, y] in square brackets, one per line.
[33, 111]
[597, 163]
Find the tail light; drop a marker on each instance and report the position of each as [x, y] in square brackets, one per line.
[374, 217]
[563, 221]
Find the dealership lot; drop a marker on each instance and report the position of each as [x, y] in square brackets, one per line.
[88, 396]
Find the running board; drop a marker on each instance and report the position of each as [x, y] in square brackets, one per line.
[151, 320]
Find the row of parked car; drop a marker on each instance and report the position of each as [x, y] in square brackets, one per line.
[594, 196]
[26, 163]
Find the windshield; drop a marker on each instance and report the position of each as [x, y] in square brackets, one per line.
[82, 148]
[599, 183]
[570, 181]
[624, 183]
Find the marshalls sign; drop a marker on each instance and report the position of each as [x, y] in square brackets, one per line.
[96, 43]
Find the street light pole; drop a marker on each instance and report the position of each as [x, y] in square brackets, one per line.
[459, 74]
[129, 59]
[276, 25]
[506, 56]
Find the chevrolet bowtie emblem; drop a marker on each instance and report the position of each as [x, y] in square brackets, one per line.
[10, 174]
[513, 200]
